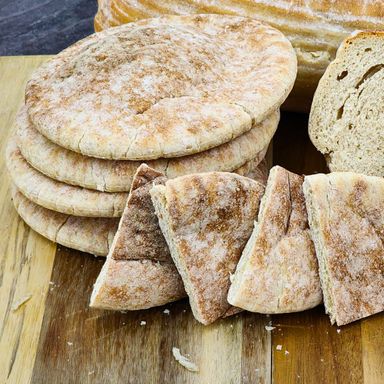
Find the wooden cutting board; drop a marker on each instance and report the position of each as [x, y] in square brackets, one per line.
[55, 338]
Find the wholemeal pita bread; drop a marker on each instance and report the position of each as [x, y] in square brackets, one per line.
[207, 219]
[278, 271]
[136, 284]
[92, 235]
[345, 212]
[139, 236]
[116, 176]
[255, 170]
[139, 272]
[58, 196]
[164, 87]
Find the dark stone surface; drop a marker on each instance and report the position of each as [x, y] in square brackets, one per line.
[32, 27]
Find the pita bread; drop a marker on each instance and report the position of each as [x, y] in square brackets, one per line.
[139, 272]
[255, 170]
[207, 219]
[278, 271]
[345, 212]
[58, 196]
[116, 176]
[136, 284]
[139, 235]
[164, 87]
[92, 235]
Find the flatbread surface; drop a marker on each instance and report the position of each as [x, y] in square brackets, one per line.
[164, 87]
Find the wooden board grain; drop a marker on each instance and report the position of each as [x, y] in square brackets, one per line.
[56, 338]
[26, 259]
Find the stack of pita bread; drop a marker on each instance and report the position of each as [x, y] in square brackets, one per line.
[183, 94]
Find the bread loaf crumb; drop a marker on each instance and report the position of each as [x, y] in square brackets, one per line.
[184, 361]
[20, 302]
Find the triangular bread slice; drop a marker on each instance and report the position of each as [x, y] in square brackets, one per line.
[278, 270]
[139, 272]
[345, 212]
[207, 219]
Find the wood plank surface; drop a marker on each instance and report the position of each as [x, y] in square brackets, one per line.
[26, 258]
[56, 338]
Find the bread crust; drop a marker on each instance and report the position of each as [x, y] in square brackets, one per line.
[164, 87]
[315, 28]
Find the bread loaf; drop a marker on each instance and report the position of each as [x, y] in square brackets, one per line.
[347, 114]
[315, 28]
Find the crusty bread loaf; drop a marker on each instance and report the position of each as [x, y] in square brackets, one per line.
[315, 28]
[347, 116]
[345, 212]
[278, 271]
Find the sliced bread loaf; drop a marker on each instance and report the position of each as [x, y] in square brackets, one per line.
[346, 122]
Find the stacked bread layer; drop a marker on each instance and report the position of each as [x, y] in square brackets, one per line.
[184, 95]
[315, 29]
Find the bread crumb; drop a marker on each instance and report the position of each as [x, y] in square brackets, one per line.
[166, 311]
[338, 330]
[51, 283]
[185, 362]
[142, 322]
[20, 302]
[286, 352]
[231, 277]
[279, 347]
[69, 343]
[91, 373]
[269, 328]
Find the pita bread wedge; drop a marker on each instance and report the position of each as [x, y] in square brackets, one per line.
[163, 87]
[345, 212]
[139, 236]
[92, 235]
[278, 270]
[116, 176]
[58, 196]
[206, 220]
[139, 272]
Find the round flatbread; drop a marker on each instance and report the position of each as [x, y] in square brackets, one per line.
[164, 87]
[59, 196]
[74, 200]
[116, 175]
[92, 235]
